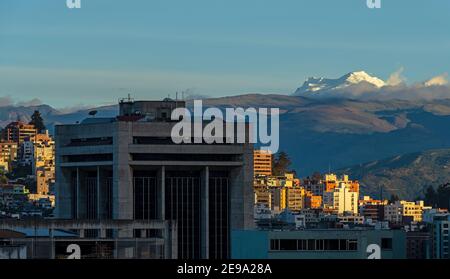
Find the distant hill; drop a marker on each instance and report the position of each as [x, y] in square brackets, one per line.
[404, 175]
[51, 115]
[320, 134]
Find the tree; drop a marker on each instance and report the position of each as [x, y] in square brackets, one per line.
[443, 196]
[37, 121]
[430, 196]
[394, 198]
[3, 178]
[281, 163]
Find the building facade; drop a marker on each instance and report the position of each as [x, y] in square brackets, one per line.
[262, 162]
[128, 168]
[8, 154]
[18, 131]
[319, 244]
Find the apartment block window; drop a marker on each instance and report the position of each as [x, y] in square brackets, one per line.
[386, 243]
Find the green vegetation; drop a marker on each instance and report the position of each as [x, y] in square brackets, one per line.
[37, 121]
[281, 163]
[3, 178]
[406, 176]
[439, 197]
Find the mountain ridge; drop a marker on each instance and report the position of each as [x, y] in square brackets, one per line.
[406, 176]
[321, 133]
[315, 86]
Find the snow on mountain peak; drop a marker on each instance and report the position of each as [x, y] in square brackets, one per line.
[315, 85]
[360, 76]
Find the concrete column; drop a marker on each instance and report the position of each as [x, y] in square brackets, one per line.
[98, 193]
[102, 233]
[162, 193]
[78, 194]
[174, 239]
[205, 213]
[64, 194]
[52, 243]
[167, 241]
[241, 194]
[123, 202]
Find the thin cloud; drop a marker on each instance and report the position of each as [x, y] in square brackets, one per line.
[31, 103]
[440, 80]
[396, 78]
[8, 101]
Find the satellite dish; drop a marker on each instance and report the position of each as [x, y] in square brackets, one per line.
[93, 113]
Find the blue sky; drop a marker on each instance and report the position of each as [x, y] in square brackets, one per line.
[153, 48]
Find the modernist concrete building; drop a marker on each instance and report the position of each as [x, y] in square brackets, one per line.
[128, 168]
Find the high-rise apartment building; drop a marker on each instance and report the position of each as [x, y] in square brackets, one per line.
[262, 162]
[340, 195]
[18, 131]
[341, 200]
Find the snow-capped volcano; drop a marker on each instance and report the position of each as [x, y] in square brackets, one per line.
[313, 86]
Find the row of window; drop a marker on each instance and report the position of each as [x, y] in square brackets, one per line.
[313, 244]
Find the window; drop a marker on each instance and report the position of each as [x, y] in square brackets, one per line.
[274, 244]
[386, 243]
[301, 244]
[288, 244]
[352, 245]
[314, 244]
[311, 245]
[342, 244]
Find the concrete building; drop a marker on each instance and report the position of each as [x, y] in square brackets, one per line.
[440, 236]
[312, 201]
[128, 168]
[373, 212]
[8, 154]
[418, 245]
[295, 198]
[26, 152]
[413, 209]
[263, 197]
[43, 151]
[396, 212]
[43, 162]
[52, 239]
[262, 163]
[319, 244]
[18, 131]
[341, 199]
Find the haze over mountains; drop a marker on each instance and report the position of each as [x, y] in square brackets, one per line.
[332, 123]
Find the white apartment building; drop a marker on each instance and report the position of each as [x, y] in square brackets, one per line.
[342, 200]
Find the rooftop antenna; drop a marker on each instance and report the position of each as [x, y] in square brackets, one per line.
[182, 95]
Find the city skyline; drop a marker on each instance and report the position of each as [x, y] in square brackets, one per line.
[154, 48]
